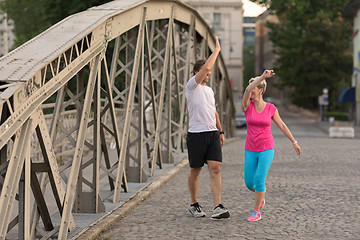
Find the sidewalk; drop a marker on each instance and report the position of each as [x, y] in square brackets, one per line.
[322, 125]
[312, 197]
[325, 126]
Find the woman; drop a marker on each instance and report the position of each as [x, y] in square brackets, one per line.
[259, 146]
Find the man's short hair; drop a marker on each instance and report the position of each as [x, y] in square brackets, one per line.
[198, 65]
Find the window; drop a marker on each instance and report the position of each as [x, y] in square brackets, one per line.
[217, 20]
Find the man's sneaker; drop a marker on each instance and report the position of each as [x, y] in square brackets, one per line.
[254, 216]
[196, 211]
[220, 212]
[263, 204]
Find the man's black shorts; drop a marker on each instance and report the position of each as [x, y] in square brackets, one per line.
[203, 146]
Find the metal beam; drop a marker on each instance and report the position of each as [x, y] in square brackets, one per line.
[13, 174]
[72, 182]
[162, 92]
[137, 57]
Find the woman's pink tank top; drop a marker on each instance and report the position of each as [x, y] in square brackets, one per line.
[259, 137]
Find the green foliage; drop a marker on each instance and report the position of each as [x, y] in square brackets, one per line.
[311, 40]
[339, 116]
[32, 17]
[249, 63]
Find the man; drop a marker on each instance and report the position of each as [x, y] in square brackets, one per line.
[205, 136]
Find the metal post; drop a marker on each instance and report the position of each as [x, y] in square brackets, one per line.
[357, 102]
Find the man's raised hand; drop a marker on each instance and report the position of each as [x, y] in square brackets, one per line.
[217, 43]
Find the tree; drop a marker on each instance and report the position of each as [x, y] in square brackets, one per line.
[311, 40]
[32, 17]
[249, 64]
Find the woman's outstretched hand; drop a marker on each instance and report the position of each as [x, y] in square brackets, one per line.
[268, 73]
[297, 149]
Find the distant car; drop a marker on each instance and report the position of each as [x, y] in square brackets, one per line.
[240, 120]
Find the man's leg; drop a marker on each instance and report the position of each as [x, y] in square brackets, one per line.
[193, 183]
[215, 181]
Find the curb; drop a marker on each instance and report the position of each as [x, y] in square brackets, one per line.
[104, 223]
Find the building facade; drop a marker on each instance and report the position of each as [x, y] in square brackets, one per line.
[226, 20]
[249, 30]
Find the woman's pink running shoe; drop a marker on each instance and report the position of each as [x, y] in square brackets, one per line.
[254, 216]
[263, 204]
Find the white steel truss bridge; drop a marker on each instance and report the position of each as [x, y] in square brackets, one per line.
[94, 102]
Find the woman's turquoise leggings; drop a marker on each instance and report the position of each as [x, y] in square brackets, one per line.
[256, 167]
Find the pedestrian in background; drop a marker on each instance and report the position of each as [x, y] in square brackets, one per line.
[259, 145]
[205, 136]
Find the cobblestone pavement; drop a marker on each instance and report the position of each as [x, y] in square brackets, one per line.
[315, 196]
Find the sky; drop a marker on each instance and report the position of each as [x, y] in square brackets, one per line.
[252, 9]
